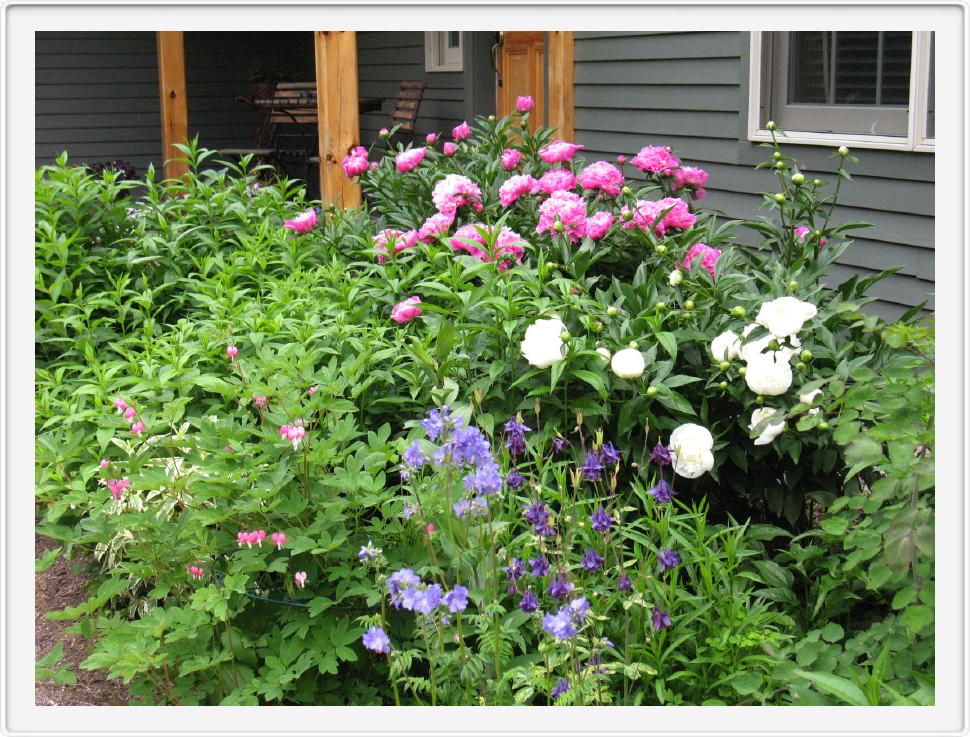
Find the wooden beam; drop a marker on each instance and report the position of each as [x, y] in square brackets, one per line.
[338, 113]
[562, 109]
[174, 103]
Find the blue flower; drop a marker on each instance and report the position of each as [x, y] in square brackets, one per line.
[560, 444]
[538, 515]
[559, 625]
[539, 566]
[592, 468]
[600, 521]
[592, 561]
[668, 559]
[578, 609]
[515, 569]
[560, 688]
[400, 582]
[609, 454]
[624, 583]
[428, 600]
[434, 423]
[660, 455]
[660, 619]
[560, 587]
[486, 479]
[413, 457]
[376, 639]
[515, 430]
[457, 599]
[529, 602]
[662, 492]
[514, 479]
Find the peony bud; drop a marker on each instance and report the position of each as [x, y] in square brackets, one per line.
[384, 133]
[661, 306]
[770, 125]
[806, 355]
[675, 278]
[634, 344]
[800, 366]
[817, 182]
[564, 335]
[780, 198]
[723, 385]
[660, 248]
[776, 155]
[781, 165]
[823, 425]
[742, 371]
[627, 191]
[652, 391]
[689, 305]
[792, 285]
[843, 151]
[798, 179]
[724, 365]
[611, 311]
[738, 311]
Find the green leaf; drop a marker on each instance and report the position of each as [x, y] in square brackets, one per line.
[746, 683]
[47, 560]
[832, 632]
[917, 618]
[594, 380]
[840, 688]
[835, 525]
[669, 342]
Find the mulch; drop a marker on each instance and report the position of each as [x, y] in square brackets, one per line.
[57, 588]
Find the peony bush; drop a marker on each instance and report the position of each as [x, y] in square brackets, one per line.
[524, 429]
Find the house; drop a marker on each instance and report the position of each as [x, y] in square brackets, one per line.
[706, 94]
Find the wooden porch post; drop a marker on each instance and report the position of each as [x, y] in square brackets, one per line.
[561, 106]
[338, 113]
[174, 103]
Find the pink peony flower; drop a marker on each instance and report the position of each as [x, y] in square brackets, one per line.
[279, 540]
[129, 413]
[598, 225]
[656, 160]
[303, 223]
[231, 352]
[300, 578]
[698, 194]
[461, 132]
[431, 139]
[260, 401]
[679, 216]
[511, 158]
[566, 208]
[559, 151]
[396, 240]
[621, 159]
[470, 233]
[356, 163]
[454, 191]
[516, 187]
[802, 231]
[437, 224]
[689, 176]
[383, 133]
[120, 404]
[603, 176]
[524, 104]
[509, 245]
[709, 257]
[557, 180]
[449, 148]
[408, 160]
[644, 216]
[406, 311]
[138, 428]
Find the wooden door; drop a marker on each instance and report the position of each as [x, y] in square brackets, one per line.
[521, 67]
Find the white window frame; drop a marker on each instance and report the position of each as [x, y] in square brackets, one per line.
[435, 49]
[915, 139]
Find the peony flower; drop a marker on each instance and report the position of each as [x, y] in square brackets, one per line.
[437, 224]
[644, 216]
[566, 208]
[678, 214]
[768, 374]
[726, 346]
[461, 132]
[772, 430]
[808, 398]
[511, 158]
[557, 180]
[449, 148]
[407, 310]
[708, 255]
[303, 223]
[300, 578]
[524, 104]
[455, 191]
[543, 342]
[603, 176]
[690, 451]
[785, 315]
[628, 363]
[675, 278]
[516, 187]
[408, 160]
[395, 240]
[655, 160]
[598, 225]
[356, 163]
[431, 139]
[802, 231]
[604, 352]
[231, 352]
[689, 176]
[509, 245]
[558, 151]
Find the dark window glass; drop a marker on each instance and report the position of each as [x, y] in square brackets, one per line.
[931, 92]
[454, 39]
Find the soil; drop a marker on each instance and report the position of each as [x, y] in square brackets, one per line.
[57, 588]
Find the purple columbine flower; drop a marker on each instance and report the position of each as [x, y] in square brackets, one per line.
[529, 602]
[662, 492]
[592, 467]
[457, 599]
[660, 455]
[413, 457]
[559, 689]
[600, 521]
[668, 559]
[609, 454]
[514, 479]
[538, 516]
[592, 561]
[578, 608]
[539, 566]
[516, 430]
[515, 569]
[660, 619]
[559, 625]
[559, 444]
[624, 583]
[560, 587]
[376, 639]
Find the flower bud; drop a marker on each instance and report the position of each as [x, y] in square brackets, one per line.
[557, 226]
[806, 355]
[723, 385]
[798, 179]
[742, 371]
[611, 311]
[689, 305]
[773, 345]
[843, 151]
[627, 191]
[627, 214]
[770, 125]
[800, 366]
[552, 265]
[817, 182]
[634, 344]
[759, 399]
[724, 365]
[491, 118]
[738, 311]
[781, 165]
[823, 425]
[780, 198]
[384, 133]
[661, 306]
[675, 278]
[564, 335]
[776, 155]
[652, 391]
[793, 285]
[818, 233]
[597, 327]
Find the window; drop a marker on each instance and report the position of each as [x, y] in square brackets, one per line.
[866, 88]
[442, 51]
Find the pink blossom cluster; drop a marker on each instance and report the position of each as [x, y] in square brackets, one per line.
[509, 245]
[557, 180]
[678, 215]
[802, 231]
[355, 163]
[655, 160]
[515, 187]
[455, 191]
[279, 540]
[302, 223]
[511, 158]
[692, 177]
[449, 148]
[647, 212]
[599, 224]
[462, 131]
[603, 176]
[116, 486]
[255, 537]
[410, 159]
[293, 433]
[129, 413]
[568, 210]
[391, 242]
[431, 139]
[708, 255]
[407, 310]
[524, 104]
[437, 224]
[558, 151]
[197, 573]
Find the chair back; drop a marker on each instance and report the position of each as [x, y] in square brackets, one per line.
[407, 104]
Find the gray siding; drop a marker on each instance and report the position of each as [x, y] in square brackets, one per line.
[97, 97]
[689, 91]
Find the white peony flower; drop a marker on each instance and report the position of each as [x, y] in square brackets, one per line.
[543, 342]
[771, 431]
[690, 451]
[755, 348]
[726, 346]
[628, 363]
[676, 277]
[768, 374]
[604, 352]
[808, 398]
[785, 315]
